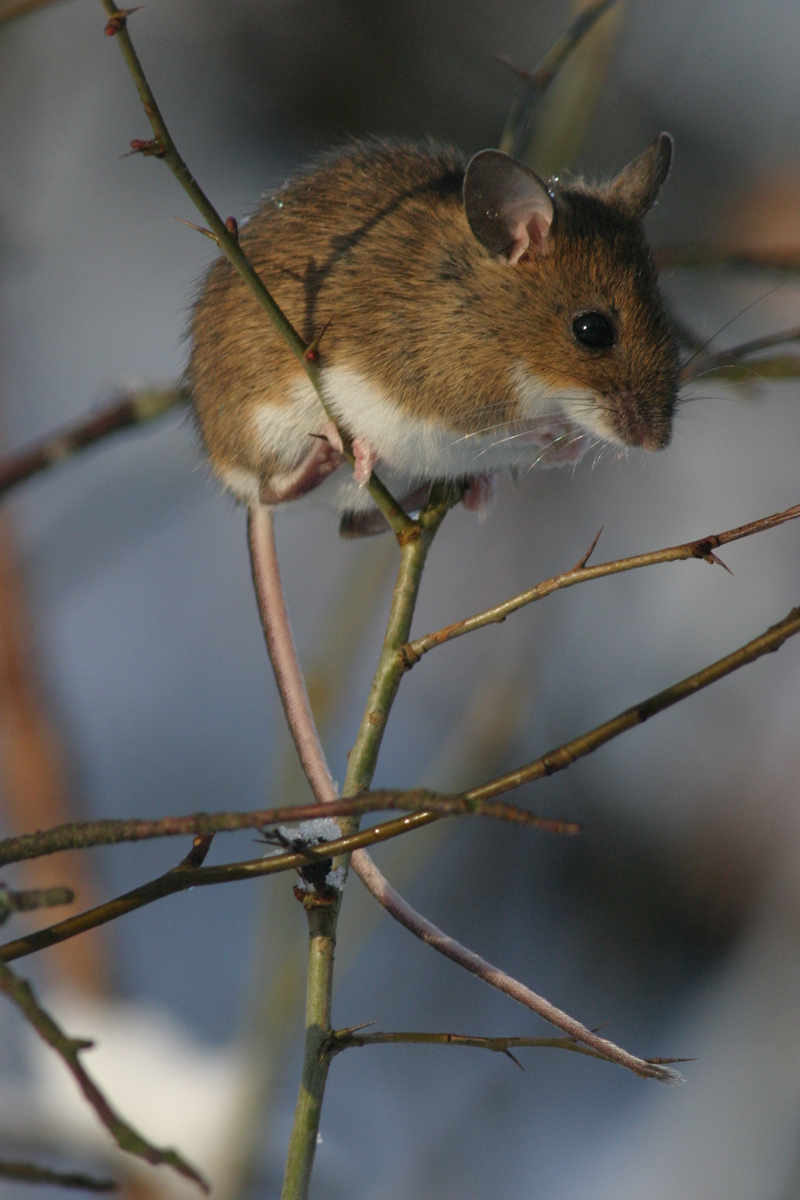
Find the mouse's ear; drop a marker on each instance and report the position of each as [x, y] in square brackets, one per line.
[508, 207]
[637, 185]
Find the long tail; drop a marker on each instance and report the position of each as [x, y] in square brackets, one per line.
[292, 688]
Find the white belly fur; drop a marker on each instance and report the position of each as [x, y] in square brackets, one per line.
[410, 450]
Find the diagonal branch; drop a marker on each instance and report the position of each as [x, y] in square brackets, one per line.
[786, 258]
[135, 408]
[190, 874]
[21, 994]
[537, 82]
[82, 834]
[703, 548]
[32, 1173]
[361, 767]
[700, 364]
[570, 752]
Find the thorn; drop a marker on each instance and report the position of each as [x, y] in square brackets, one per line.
[312, 351]
[520, 72]
[597, 1028]
[154, 147]
[513, 1058]
[200, 229]
[82, 1044]
[351, 1029]
[581, 563]
[712, 558]
[663, 1062]
[119, 20]
[232, 226]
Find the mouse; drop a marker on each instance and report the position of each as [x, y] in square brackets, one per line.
[474, 319]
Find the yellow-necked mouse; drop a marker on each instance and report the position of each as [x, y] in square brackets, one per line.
[480, 319]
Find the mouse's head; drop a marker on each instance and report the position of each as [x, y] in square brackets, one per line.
[586, 284]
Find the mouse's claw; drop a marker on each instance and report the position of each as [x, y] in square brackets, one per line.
[365, 458]
[480, 495]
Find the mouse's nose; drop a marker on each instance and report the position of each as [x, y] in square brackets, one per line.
[640, 423]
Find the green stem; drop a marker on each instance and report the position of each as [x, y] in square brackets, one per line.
[391, 666]
[361, 767]
[317, 1054]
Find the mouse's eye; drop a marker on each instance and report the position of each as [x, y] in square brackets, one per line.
[593, 330]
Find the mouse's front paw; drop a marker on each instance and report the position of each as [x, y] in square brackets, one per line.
[480, 495]
[364, 465]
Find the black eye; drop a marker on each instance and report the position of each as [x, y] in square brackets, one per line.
[593, 330]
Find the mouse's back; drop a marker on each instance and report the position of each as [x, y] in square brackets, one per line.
[465, 301]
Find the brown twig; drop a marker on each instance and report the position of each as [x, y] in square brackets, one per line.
[783, 259]
[517, 126]
[344, 1039]
[570, 752]
[11, 10]
[189, 874]
[702, 364]
[21, 994]
[31, 1173]
[79, 835]
[137, 408]
[31, 899]
[773, 367]
[703, 548]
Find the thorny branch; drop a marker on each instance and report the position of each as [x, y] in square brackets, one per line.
[570, 752]
[21, 994]
[344, 1039]
[703, 548]
[80, 835]
[191, 874]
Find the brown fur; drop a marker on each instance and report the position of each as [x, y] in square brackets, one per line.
[375, 240]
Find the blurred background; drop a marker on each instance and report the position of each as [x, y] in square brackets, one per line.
[134, 679]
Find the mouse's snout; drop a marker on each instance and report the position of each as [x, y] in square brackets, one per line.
[641, 421]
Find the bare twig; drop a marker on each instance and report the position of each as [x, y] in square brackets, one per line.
[776, 366]
[10, 10]
[31, 899]
[136, 408]
[31, 1173]
[361, 766]
[703, 548]
[344, 1039]
[21, 994]
[79, 835]
[429, 933]
[784, 259]
[517, 126]
[570, 752]
[190, 874]
[702, 364]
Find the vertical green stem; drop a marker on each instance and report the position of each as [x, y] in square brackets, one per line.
[316, 1056]
[322, 918]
